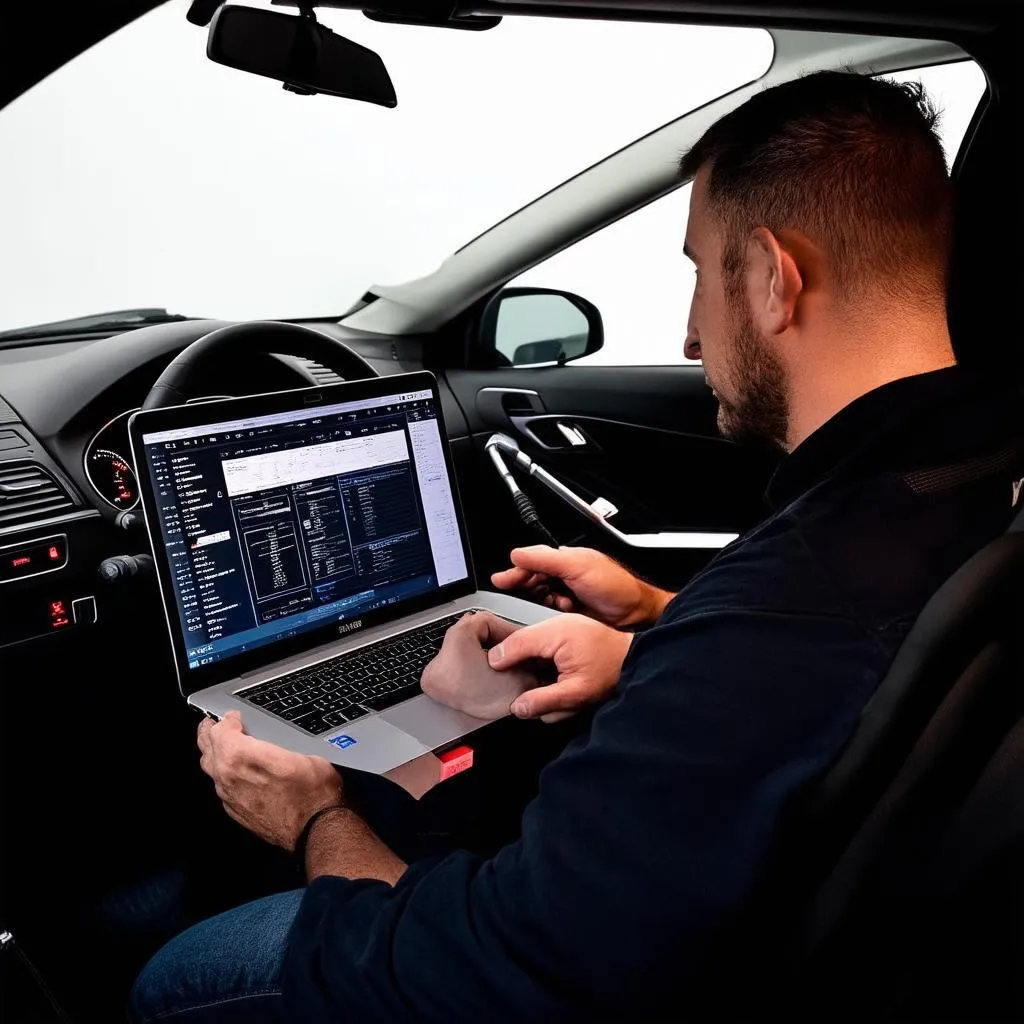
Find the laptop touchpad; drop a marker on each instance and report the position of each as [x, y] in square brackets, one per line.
[431, 723]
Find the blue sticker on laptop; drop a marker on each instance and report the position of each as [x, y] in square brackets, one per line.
[342, 741]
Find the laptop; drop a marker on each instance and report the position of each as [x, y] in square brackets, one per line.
[311, 552]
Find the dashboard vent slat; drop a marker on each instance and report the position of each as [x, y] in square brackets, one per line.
[28, 492]
[321, 373]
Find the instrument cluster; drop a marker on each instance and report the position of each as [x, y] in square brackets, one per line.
[108, 464]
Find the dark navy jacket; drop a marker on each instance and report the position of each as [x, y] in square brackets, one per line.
[648, 834]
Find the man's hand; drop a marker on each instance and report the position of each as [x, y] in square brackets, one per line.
[460, 676]
[604, 590]
[587, 657]
[269, 790]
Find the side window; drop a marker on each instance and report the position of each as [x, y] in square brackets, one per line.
[956, 89]
[634, 270]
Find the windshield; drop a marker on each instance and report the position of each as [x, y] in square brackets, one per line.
[142, 175]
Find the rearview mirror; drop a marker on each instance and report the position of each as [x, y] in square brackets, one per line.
[525, 326]
[307, 56]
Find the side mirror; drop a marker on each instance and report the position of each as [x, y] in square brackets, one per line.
[307, 56]
[525, 326]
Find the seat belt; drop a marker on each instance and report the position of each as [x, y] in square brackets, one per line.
[10, 949]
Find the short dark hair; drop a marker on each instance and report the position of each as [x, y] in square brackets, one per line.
[853, 162]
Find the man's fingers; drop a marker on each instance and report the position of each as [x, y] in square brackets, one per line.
[203, 735]
[511, 579]
[543, 560]
[539, 558]
[565, 695]
[232, 750]
[497, 629]
[470, 629]
[231, 722]
[533, 564]
[556, 716]
[540, 640]
[221, 736]
[482, 627]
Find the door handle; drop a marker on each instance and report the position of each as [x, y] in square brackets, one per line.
[555, 433]
[571, 433]
[497, 405]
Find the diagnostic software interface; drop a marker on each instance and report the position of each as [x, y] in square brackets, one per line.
[281, 523]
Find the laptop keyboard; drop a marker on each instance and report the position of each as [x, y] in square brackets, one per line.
[372, 678]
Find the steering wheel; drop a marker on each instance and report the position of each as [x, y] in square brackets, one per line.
[175, 385]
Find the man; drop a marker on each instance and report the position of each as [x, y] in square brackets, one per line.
[820, 223]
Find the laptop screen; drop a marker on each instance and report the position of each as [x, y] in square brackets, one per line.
[278, 524]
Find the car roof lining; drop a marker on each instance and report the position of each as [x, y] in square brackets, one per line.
[887, 17]
[80, 26]
[880, 16]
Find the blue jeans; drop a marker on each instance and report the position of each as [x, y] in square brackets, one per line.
[225, 970]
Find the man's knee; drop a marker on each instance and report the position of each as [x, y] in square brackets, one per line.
[227, 968]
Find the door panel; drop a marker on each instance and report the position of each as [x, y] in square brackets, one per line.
[643, 438]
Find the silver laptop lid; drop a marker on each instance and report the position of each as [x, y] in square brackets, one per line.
[279, 521]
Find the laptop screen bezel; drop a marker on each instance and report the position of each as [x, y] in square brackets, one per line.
[192, 680]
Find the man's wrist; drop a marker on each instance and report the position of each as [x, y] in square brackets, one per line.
[627, 642]
[342, 844]
[653, 601]
[302, 840]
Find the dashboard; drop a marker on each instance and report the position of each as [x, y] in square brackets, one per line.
[66, 469]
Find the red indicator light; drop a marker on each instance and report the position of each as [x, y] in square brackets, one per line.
[54, 553]
[21, 560]
[58, 615]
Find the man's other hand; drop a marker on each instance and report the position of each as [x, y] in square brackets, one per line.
[269, 790]
[586, 655]
[460, 676]
[603, 589]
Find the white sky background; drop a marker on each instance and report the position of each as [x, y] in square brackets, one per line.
[143, 174]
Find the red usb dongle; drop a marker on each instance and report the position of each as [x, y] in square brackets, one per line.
[458, 759]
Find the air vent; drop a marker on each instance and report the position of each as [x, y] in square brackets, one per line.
[29, 493]
[322, 374]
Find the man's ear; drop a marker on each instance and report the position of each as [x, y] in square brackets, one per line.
[774, 281]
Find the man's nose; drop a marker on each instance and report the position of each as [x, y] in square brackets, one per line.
[691, 347]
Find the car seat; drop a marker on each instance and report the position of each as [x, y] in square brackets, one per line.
[881, 851]
[881, 926]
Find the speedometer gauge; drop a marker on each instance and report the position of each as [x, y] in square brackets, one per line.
[113, 478]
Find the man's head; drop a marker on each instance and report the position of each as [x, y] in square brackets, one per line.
[820, 208]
